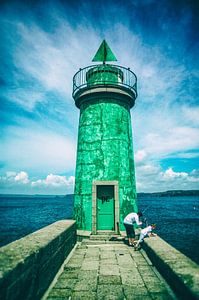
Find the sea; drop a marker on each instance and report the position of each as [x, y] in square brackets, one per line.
[176, 217]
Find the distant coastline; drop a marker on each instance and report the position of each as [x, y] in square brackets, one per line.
[171, 193]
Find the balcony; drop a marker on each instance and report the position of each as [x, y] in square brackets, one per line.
[104, 75]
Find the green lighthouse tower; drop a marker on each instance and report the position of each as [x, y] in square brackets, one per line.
[105, 188]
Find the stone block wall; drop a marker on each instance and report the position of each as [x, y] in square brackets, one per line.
[181, 273]
[29, 265]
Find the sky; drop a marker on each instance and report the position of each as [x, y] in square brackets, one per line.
[44, 43]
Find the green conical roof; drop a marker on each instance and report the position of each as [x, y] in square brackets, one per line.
[104, 53]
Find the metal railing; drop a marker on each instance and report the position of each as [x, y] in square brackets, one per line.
[104, 75]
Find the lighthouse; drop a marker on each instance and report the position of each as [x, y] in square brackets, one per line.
[105, 189]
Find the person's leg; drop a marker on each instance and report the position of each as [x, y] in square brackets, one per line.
[132, 235]
[127, 232]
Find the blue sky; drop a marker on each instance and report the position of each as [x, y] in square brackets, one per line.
[43, 44]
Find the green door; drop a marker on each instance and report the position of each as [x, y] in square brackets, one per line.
[105, 207]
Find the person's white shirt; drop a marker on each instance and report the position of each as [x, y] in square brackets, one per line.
[132, 218]
[145, 231]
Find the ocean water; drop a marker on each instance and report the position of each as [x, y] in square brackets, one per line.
[20, 216]
[177, 221]
[177, 218]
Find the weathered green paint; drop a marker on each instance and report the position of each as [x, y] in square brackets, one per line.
[104, 74]
[104, 153]
[104, 53]
[105, 150]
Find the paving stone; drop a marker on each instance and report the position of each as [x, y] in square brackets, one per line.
[87, 274]
[139, 297]
[109, 279]
[126, 259]
[59, 293]
[121, 250]
[86, 284]
[108, 271]
[59, 298]
[75, 264]
[156, 287]
[133, 252]
[71, 268]
[104, 270]
[107, 259]
[92, 251]
[154, 280]
[91, 256]
[132, 279]
[107, 255]
[109, 292]
[146, 271]
[161, 296]
[133, 273]
[108, 262]
[126, 262]
[139, 260]
[88, 260]
[136, 291]
[65, 283]
[91, 265]
[69, 274]
[76, 260]
[80, 250]
[107, 247]
[85, 295]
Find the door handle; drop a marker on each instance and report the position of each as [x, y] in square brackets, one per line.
[98, 208]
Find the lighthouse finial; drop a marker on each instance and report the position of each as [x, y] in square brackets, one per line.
[104, 53]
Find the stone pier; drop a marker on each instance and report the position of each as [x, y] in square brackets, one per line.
[108, 270]
[50, 265]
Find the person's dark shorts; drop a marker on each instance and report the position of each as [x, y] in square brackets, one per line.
[130, 231]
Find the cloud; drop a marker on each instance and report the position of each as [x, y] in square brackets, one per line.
[20, 182]
[170, 174]
[164, 132]
[42, 61]
[194, 176]
[149, 169]
[10, 174]
[140, 155]
[149, 178]
[39, 150]
[152, 178]
[175, 139]
[191, 114]
[54, 181]
[22, 177]
[188, 155]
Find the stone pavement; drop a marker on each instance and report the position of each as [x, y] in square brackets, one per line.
[109, 270]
